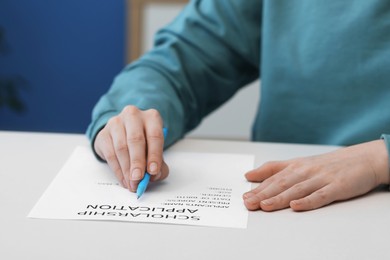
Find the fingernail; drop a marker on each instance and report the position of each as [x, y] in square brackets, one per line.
[252, 200]
[267, 202]
[248, 195]
[296, 202]
[136, 174]
[153, 167]
[131, 187]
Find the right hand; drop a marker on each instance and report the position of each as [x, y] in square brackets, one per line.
[131, 143]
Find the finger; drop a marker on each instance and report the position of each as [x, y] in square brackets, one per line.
[276, 183]
[136, 144]
[103, 143]
[161, 175]
[118, 137]
[265, 171]
[154, 140]
[298, 191]
[271, 187]
[317, 199]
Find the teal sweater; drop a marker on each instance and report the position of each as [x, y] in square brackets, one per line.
[324, 68]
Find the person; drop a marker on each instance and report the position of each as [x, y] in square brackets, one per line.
[324, 71]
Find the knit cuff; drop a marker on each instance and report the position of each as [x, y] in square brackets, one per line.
[386, 138]
[93, 146]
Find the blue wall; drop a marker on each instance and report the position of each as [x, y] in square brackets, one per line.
[68, 52]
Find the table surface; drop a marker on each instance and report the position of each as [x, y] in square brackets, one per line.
[357, 229]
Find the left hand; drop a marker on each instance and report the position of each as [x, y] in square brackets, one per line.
[312, 182]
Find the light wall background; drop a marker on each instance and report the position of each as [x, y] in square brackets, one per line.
[231, 121]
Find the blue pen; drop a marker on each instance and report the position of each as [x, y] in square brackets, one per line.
[145, 181]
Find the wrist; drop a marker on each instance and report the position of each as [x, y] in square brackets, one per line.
[374, 156]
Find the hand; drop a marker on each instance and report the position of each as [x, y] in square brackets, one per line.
[312, 182]
[132, 142]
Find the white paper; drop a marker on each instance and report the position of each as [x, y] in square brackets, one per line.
[202, 189]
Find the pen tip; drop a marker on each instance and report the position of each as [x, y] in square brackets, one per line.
[138, 197]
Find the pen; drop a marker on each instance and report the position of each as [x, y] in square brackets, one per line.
[145, 180]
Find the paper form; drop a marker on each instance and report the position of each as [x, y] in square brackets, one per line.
[202, 189]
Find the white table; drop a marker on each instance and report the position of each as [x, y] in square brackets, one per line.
[357, 229]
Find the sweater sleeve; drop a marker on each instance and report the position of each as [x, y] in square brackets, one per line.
[198, 62]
